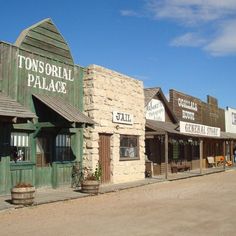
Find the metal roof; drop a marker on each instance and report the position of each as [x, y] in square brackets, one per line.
[69, 112]
[11, 108]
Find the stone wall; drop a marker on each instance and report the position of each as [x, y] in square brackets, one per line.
[106, 91]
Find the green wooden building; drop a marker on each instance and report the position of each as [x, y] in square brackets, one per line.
[41, 104]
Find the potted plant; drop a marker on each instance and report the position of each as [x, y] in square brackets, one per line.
[23, 194]
[91, 181]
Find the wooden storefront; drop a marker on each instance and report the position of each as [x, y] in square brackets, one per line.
[39, 74]
[168, 142]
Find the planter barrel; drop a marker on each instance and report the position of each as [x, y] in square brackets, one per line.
[23, 195]
[90, 186]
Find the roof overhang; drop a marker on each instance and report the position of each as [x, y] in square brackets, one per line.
[11, 110]
[161, 128]
[64, 109]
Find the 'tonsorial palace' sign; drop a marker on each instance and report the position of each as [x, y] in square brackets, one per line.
[44, 75]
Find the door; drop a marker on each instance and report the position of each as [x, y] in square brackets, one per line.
[43, 161]
[105, 157]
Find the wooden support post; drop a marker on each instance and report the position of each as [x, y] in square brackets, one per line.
[232, 151]
[201, 154]
[224, 152]
[166, 155]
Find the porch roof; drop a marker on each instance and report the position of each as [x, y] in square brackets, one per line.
[160, 127]
[63, 108]
[11, 108]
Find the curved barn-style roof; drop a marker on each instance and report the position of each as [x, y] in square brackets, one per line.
[44, 38]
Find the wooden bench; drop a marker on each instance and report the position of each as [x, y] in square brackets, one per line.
[211, 162]
[180, 165]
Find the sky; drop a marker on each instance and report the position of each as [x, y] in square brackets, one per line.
[186, 45]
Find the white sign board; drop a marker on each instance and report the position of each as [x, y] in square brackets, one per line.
[155, 110]
[122, 118]
[191, 128]
[233, 118]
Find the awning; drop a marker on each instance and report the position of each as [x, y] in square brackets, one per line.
[64, 109]
[160, 128]
[11, 108]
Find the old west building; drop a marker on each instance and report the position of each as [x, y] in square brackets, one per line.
[196, 131]
[209, 121]
[230, 126]
[41, 119]
[116, 103]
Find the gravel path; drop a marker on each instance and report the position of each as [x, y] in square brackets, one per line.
[198, 206]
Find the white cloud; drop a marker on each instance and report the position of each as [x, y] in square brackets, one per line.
[129, 13]
[216, 18]
[225, 42]
[189, 40]
[191, 12]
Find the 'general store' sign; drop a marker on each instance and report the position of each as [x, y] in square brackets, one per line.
[191, 128]
[122, 118]
[39, 73]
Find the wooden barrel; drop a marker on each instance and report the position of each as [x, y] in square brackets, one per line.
[90, 186]
[23, 195]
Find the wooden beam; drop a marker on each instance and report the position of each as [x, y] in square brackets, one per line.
[201, 155]
[224, 152]
[166, 155]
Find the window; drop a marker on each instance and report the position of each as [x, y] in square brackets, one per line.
[20, 146]
[129, 147]
[63, 148]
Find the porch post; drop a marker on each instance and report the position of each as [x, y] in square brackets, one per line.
[166, 155]
[201, 154]
[231, 152]
[224, 152]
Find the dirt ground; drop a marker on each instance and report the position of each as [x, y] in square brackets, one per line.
[198, 206]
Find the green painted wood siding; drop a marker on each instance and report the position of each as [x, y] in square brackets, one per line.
[45, 39]
[15, 80]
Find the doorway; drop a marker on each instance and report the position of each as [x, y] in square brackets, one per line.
[105, 157]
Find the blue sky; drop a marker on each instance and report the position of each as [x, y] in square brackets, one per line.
[187, 45]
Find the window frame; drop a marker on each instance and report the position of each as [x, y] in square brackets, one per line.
[21, 141]
[136, 149]
[63, 147]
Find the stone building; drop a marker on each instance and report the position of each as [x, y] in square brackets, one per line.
[116, 103]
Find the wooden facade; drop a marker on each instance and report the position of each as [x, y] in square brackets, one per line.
[38, 72]
[185, 149]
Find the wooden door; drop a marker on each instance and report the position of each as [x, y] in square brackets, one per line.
[43, 161]
[105, 157]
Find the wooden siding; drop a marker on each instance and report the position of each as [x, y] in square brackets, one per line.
[14, 79]
[43, 176]
[207, 113]
[44, 39]
[41, 42]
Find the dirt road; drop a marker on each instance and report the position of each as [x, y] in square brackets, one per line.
[198, 206]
